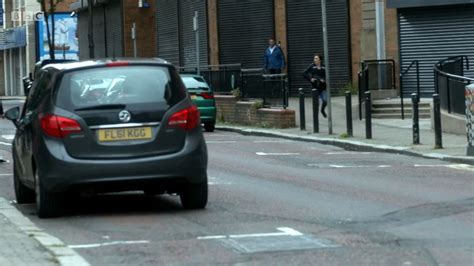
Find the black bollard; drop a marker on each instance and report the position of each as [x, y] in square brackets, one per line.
[437, 121]
[315, 94]
[368, 115]
[302, 110]
[416, 118]
[350, 131]
[1, 107]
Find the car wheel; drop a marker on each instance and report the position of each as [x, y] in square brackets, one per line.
[23, 194]
[194, 196]
[210, 127]
[47, 204]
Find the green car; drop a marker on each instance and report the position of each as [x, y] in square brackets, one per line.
[202, 96]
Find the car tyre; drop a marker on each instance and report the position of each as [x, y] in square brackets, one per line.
[48, 204]
[210, 127]
[23, 194]
[194, 196]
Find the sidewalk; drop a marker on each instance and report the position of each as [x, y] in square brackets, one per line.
[388, 135]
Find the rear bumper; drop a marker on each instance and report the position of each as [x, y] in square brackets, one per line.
[60, 172]
[208, 114]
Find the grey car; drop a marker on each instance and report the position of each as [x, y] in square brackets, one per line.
[137, 131]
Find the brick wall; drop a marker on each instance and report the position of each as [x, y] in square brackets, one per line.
[213, 32]
[144, 19]
[230, 110]
[63, 6]
[280, 25]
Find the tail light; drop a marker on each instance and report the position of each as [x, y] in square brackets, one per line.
[207, 95]
[117, 64]
[58, 126]
[186, 119]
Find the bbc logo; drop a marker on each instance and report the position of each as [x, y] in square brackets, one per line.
[27, 16]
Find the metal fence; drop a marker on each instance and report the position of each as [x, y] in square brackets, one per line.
[272, 89]
[222, 78]
[450, 83]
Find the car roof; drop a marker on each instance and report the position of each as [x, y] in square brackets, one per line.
[104, 61]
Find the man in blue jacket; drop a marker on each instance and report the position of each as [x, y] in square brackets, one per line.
[274, 60]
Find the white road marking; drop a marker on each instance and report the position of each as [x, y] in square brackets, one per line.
[359, 166]
[220, 141]
[109, 244]
[273, 141]
[284, 231]
[214, 181]
[276, 154]
[62, 253]
[348, 153]
[5, 143]
[5, 174]
[8, 137]
[452, 166]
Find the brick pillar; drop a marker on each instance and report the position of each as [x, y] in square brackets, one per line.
[144, 19]
[280, 25]
[392, 48]
[213, 32]
[355, 10]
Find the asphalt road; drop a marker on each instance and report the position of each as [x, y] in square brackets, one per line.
[279, 202]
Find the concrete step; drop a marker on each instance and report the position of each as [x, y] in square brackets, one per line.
[398, 105]
[396, 116]
[426, 110]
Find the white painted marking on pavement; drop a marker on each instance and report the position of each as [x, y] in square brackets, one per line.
[5, 174]
[5, 143]
[348, 153]
[63, 254]
[359, 166]
[466, 167]
[273, 141]
[8, 137]
[109, 244]
[276, 154]
[284, 231]
[220, 141]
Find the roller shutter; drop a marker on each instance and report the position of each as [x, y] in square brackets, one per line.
[99, 33]
[187, 34]
[114, 29]
[305, 38]
[430, 35]
[82, 29]
[244, 30]
[168, 30]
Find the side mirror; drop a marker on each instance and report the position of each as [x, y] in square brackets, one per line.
[13, 114]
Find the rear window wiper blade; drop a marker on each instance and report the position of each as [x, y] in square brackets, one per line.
[102, 107]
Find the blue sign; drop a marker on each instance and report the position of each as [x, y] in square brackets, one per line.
[1, 12]
[66, 44]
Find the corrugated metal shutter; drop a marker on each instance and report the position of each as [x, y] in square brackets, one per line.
[305, 38]
[99, 33]
[168, 30]
[82, 29]
[433, 34]
[114, 29]
[187, 34]
[244, 30]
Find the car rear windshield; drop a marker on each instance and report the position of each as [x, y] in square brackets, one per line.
[116, 85]
[195, 83]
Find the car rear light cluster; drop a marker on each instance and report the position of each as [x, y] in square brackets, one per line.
[58, 126]
[186, 119]
[207, 95]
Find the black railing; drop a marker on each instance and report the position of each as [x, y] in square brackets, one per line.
[403, 73]
[222, 78]
[271, 89]
[450, 83]
[381, 74]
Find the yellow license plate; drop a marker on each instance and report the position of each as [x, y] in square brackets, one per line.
[120, 134]
[193, 97]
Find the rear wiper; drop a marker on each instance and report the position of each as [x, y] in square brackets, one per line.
[102, 107]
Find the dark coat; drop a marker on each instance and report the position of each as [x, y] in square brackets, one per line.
[317, 73]
[275, 60]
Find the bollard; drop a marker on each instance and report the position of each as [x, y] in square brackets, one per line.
[349, 113]
[368, 116]
[437, 121]
[302, 110]
[315, 94]
[416, 118]
[1, 107]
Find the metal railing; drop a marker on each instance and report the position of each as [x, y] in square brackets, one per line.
[415, 63]
[450, 83]
[222, 78]
[271, 88]
[363, 79]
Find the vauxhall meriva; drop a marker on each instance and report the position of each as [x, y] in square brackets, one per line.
[105, 126]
